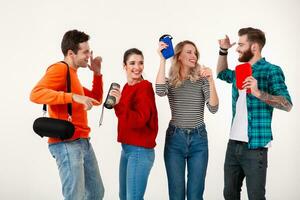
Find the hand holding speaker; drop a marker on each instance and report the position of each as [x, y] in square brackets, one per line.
[113, 96]
[166, 46]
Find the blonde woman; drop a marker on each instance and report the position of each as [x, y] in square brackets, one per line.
[189, 87]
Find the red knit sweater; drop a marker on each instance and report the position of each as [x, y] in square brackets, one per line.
[137, 115]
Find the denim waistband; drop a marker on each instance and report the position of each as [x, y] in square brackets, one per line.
[187, 130]
[236, 142]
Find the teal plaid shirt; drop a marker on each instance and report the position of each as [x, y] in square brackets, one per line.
[270, 79]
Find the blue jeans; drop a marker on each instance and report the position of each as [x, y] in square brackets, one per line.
[186, 147]
[241, 162]
[78, 170]
[135, 165]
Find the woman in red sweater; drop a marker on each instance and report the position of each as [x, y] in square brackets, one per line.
[137, 127]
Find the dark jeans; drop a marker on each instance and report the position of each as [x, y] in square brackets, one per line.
[186, 147]
[241, 162]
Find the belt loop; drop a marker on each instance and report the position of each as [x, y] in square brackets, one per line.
[173, 128]
[198, 130]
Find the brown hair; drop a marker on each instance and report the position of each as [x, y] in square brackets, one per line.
[254, 35]
[71, 41]
[130, 52]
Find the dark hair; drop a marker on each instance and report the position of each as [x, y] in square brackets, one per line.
[254, 35]
[71, 41]
[130, 52]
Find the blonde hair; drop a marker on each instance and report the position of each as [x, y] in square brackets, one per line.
[174, 73]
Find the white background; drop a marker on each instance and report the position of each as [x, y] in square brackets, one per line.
[31, 32]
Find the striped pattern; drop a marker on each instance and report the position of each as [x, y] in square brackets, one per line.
[187, 102]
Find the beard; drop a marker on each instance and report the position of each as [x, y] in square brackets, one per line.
[246, 56]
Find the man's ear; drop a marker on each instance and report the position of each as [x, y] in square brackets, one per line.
[255, 47]
[70, 53]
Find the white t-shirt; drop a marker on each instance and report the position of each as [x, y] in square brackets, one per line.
[239, 128]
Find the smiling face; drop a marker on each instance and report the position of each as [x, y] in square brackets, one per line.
[188, 56]
[244, 49]
[134, 66]
[81, 58]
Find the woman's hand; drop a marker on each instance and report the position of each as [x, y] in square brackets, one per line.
[116, 92]
[161, 46]
[206, 72]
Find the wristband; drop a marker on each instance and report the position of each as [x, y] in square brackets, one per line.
[223, 49]
[221, 53]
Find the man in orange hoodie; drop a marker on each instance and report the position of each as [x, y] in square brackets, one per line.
[75, 157]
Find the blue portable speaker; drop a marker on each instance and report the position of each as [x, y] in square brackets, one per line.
[169, 51]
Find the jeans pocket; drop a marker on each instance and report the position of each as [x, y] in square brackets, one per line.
[202, 133]
[170, 132]
[262, 158]
[52, 150]
[151, 157]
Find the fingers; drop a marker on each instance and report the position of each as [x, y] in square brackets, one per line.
[205, 72]
[95, 64]
[95, 102]
[92, 55]
[115, 92]
[162, 45]
[225, 42]
[232, 44]
[88, 105]
[91, 59]
[99, 58]
[249, 78]
[86, 101]
[249, 82]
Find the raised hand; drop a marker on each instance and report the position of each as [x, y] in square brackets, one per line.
[206, 72]
[95, 64]
[161, 46]
[225, 43]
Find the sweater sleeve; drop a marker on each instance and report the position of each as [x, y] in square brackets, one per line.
[50, 89]
[97, 89]
[206, 92]
[138, 115]
[162, 89]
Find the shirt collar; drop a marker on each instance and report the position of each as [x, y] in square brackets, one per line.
[258, 63]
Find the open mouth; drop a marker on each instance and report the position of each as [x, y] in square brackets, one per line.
[136, 73]
[193, 61]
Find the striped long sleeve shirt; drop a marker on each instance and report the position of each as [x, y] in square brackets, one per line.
[187, 102]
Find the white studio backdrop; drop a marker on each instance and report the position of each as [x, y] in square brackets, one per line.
[31, 32]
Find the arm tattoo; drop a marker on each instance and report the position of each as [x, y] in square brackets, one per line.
[276, 101]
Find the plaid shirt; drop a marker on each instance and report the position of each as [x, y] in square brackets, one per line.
[270, 79]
